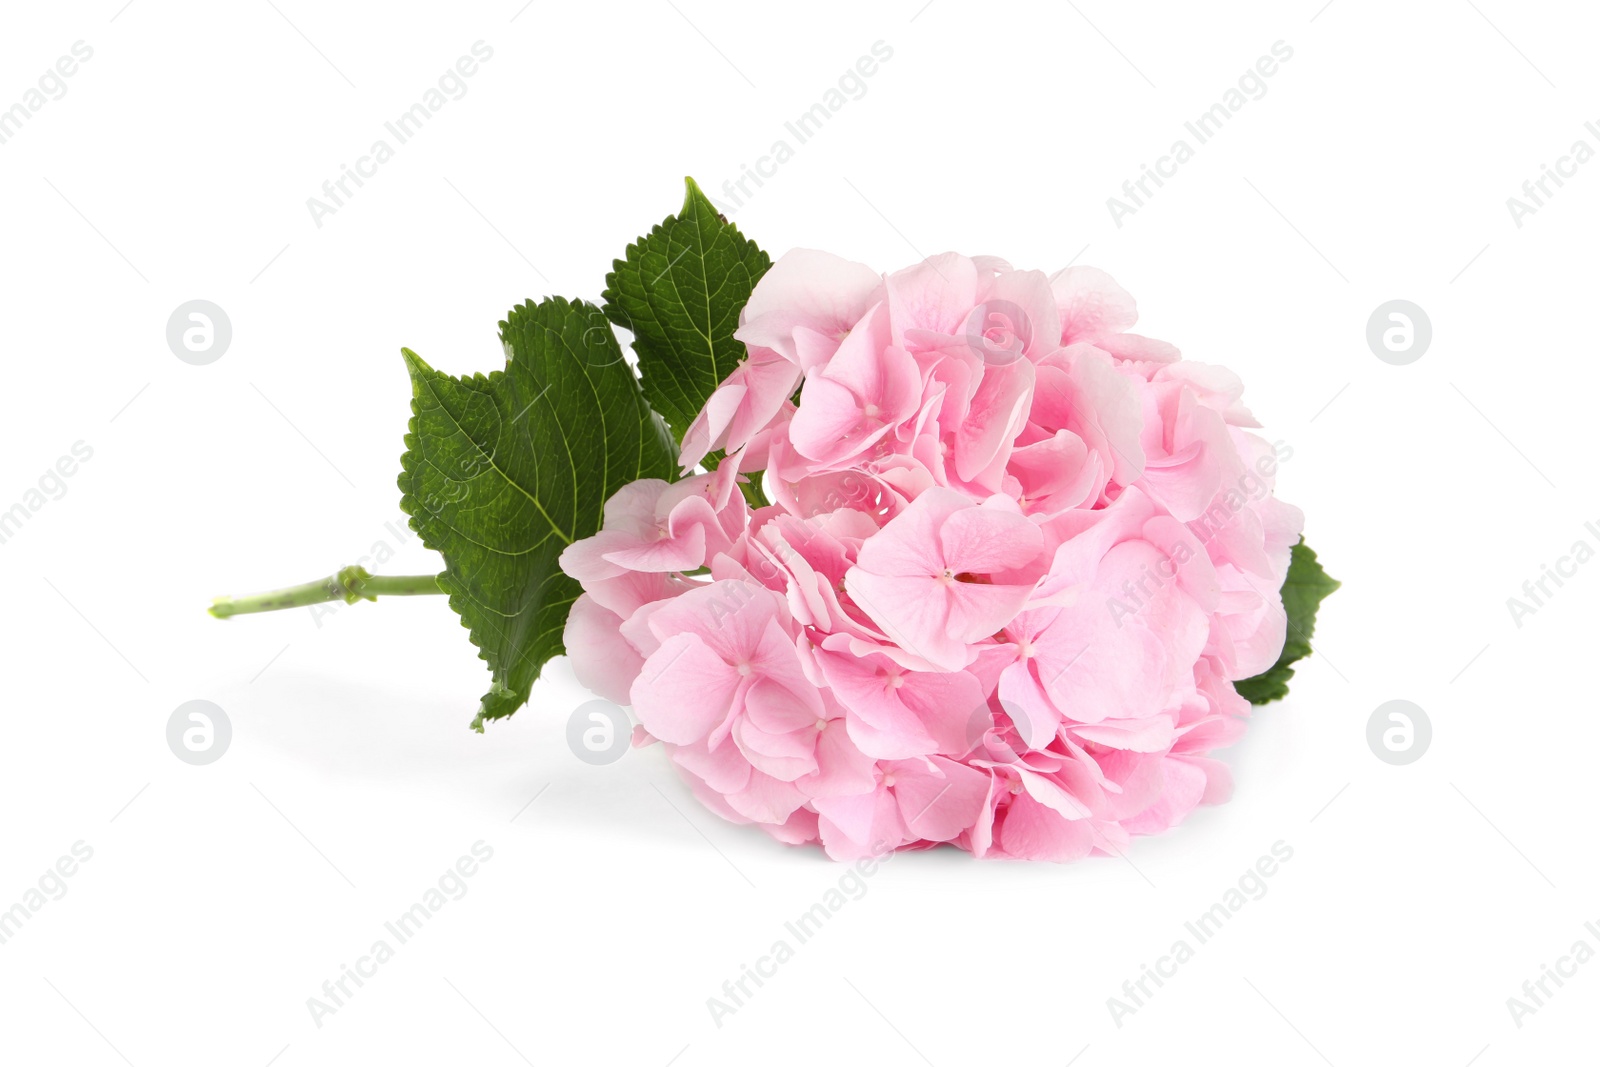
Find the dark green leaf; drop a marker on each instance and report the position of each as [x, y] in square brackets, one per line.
[1304, 588]
[503, 472]
[680, 291]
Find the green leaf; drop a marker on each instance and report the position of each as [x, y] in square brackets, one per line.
[1304, 588]
[503, 472]
[680, 291]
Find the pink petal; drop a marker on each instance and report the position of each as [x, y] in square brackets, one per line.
[980, 611]
[684, 690]
[938, 799]
[1031, 831]
[936, 294]
[807, 288]
[909, 544]
[986, 539]
[912, 612]
[682, 553]
[1091, 304]
[601, 659]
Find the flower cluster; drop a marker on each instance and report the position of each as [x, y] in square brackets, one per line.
[1015, 560]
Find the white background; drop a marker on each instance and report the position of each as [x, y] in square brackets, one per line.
[219, 898]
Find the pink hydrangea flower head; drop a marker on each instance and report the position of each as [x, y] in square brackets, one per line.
[1016, 558]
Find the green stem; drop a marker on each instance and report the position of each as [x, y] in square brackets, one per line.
[349, 585]
[752, 492]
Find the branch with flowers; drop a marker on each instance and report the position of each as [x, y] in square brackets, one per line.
[945, 555]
